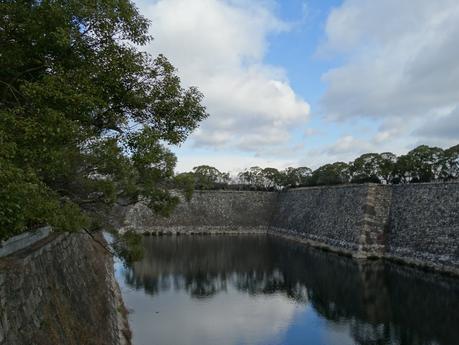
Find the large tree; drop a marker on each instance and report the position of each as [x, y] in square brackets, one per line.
[422, 164]
[208, 177]
[84, 114]
[271, 178]
[449, 165]
[331, 174]
[366, 168]
[387, 166]
[252, 177]
[294, 177]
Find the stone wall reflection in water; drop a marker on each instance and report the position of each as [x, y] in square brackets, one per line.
[257, 290]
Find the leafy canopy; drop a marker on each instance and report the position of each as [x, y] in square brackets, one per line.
[422, 164]
[84, 115]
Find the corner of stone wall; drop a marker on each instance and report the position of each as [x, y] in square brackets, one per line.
[375, 222]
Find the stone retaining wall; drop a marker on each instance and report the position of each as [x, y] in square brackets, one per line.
[23, 240]
[208, 211]
[349, 219]
[416, 224]
[61, 290]
[424, 225]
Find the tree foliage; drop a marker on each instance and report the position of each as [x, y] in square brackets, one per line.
[366, 168]
[186, 183]
[84, 115]
[207, 177]
[422, 164]
[252, 177]
[295, 177]
[330, 174]
[450, 163]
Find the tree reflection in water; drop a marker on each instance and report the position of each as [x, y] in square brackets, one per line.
[380, 303]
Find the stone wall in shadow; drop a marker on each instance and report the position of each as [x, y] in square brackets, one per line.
[61, 290]
[424, 225]
[349, 218]
[207, 211]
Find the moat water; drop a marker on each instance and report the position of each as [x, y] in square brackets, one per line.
[259, 290]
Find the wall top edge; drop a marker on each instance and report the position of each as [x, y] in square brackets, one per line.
[339, 186]
[23, 240]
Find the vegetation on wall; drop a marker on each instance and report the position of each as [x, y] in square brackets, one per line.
[84, 114]
[422, 164]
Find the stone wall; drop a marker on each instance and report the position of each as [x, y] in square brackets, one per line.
[349, 218]
[416, 224]
[207, 211]
[61, 290]
[424, 225]
[23, 240]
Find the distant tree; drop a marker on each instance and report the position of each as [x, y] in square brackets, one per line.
[252, 177]
[207, 177]
[186, 183]
[404, 169]
[271, 178]
[303, 175]
[330, 174]
[366, 168]
[449, 164]
[387, 166]
[426, 163]
[288, 177]
[421, 164]
[294, 177]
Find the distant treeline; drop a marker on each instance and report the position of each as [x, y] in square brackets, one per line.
[423, 164]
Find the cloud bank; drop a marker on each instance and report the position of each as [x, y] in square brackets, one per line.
[219, 47]
[394, 83]
[401, 68]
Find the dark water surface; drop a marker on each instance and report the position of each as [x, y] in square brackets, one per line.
[234, 290]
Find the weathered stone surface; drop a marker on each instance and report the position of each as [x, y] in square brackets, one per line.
[208, 211]
[424, 225]
[23, 240]
[351, 219]
[61, 290]
[416, 224]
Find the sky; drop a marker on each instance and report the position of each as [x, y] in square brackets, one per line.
[304, 83]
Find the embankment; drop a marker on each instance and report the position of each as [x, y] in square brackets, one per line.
[423, 226]
[208, 211]
[416, 224]
[349, 219]
[61, 290]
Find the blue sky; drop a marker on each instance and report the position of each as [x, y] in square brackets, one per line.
[303, 83]
[296, 51]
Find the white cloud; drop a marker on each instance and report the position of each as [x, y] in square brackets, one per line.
[401, 66]
[311, 132]
[219, 46]
[347, 148]
[227, 318]
[385, 135]
[446, 126]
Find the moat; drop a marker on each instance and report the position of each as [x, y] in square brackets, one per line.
[235, 290]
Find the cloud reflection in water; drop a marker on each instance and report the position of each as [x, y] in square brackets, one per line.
[233, 290]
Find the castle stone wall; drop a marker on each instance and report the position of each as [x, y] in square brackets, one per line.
[416, 224]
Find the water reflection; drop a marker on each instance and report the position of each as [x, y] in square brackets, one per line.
[261, 290]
